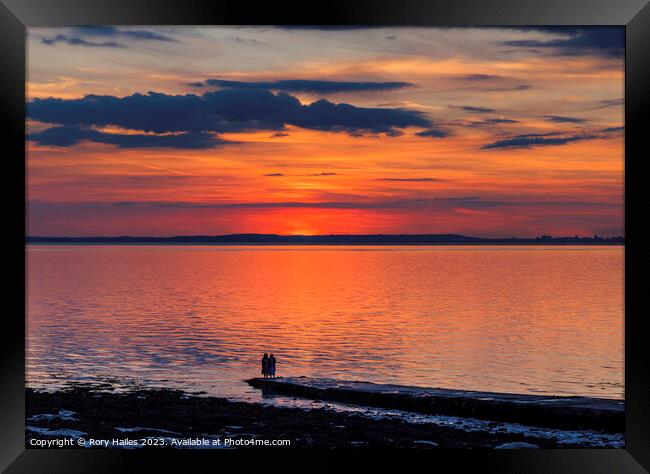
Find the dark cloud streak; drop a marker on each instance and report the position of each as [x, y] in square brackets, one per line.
[607, 42]
[534, 140]
[471, 202]
[561, 119]
[305, 85]
[79, 37]
[78, 41]
[612, 129]
[413, 180]
[72, 135]
[142, 35]
[471, 108]
[433, 133]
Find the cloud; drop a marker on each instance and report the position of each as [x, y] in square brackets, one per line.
[478, 77]
[77, 41]
[561, 119]
[305, 85]
[612, 102]
[448, 202]
[603, 104]
[280, 135]
[71, 135]
[325, 115]
[313, 174]
[601, 41]
[79, 35]
[432, 133]
[466, 201]
[500, 120]
[471, 108]
[412, 180]
[492, 121]
[142, 35]
[533, 140]
[217, 112]
[520, 87]
[328, 27]
[612, 129]
[239, 39]
[491, 83]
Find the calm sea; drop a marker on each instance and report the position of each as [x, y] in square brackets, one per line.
[508, 319]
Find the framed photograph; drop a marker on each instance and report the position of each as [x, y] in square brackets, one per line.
[380, 230]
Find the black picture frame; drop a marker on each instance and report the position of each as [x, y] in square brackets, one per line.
[17, 15]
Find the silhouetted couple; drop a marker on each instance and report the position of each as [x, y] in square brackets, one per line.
[268, 366]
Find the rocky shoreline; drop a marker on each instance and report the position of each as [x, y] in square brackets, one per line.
[98, 413]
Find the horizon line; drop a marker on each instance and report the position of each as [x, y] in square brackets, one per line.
[255, 234]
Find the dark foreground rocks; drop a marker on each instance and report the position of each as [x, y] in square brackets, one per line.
[168, 414]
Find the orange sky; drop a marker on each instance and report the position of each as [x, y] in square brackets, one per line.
[525, 124]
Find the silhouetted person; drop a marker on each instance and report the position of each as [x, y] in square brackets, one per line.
[272, 366]
[265, 365]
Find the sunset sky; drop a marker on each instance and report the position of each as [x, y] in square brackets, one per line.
[325, 130]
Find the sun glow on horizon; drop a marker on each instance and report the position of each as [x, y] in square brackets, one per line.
[313, 132]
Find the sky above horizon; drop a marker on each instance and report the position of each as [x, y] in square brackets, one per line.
[166, 131]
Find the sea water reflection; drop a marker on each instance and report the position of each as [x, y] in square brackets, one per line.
[510, 319]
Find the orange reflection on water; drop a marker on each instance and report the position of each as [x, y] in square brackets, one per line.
[510, 319]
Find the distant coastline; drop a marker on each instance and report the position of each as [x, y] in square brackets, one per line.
[377, 239]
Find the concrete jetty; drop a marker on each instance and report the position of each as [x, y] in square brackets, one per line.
[537, 410]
